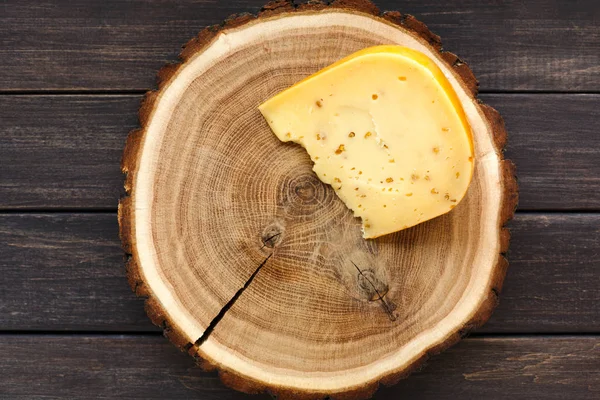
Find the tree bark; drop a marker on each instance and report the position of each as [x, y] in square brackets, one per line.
[253, 265]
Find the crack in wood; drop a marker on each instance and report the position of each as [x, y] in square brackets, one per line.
[267, 241]
[215, 321]
[384, 304]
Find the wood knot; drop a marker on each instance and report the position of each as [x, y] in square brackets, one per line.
[374, 289]
[306, 189]
[369, 284]
[272, 235]
[305, 192]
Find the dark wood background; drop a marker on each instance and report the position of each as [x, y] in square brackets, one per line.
[72, 73]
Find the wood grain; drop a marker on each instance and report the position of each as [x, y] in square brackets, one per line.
[65, 272]
[551, 285]
[194, 228]
[148, 367]
[63, 152]
[120, 44]
[554, 143]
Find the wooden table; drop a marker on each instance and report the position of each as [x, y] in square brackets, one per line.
[72, 75]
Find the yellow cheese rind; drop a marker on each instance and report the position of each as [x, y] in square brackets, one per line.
[386, 130]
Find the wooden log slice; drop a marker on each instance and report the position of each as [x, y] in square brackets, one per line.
[252, 264]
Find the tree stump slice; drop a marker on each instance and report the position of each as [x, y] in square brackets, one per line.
[253, 265]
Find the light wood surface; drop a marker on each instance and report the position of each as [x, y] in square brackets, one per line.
[253, 264]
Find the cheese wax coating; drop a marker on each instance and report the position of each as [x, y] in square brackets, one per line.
[386, 130]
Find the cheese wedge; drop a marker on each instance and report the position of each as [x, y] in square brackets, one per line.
[386, 130]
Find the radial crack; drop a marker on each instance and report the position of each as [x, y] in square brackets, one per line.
[385, 305]
[267, 241]
[230, 303]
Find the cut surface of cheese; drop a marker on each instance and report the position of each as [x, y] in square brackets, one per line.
[386, 130]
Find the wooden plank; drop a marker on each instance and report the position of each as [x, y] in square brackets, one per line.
[554, 142]
[120, 44]
[551, 285]
[65, 272]
[147, 367]
[64, 151]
